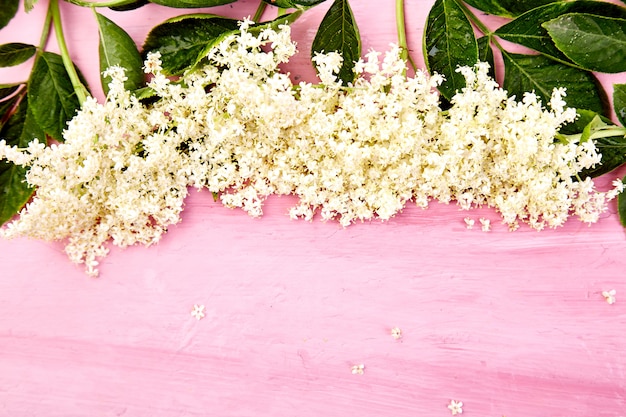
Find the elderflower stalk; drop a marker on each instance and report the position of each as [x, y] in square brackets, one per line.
[79, 88]
[259, 11]
[401, 29]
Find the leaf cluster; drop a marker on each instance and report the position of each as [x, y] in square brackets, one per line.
[569, 40]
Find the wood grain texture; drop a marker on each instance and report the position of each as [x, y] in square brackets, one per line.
[509, 323]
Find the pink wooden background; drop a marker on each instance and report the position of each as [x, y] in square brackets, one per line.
[512, 324]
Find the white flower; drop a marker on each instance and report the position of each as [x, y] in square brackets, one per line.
[358, 369]
[609, 296]
[485, 224]
[396, 333]
[469, 222]
[618, 184]
[238, 126]
[456, 407]
[198, 311]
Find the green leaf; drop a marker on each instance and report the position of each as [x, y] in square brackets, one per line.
[7, 108]
[18, 131]
[118, 48]
[506, 8]
[338, 32]
[185, 4]
[8, 9]
[51, 95]
[527, 29]
[619, 102]
[287, 4]
[184, 40]
[144, 93]
[131, 6]
[485, 54]
[15, 53]
[621, 205]
[592, 42]
[7, 89]
[526, 73]
[29, 4]
[449, 43]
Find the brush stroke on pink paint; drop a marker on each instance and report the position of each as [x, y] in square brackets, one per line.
[509, 323]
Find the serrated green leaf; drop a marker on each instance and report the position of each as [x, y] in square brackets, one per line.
[449, 43]
[131, 6]
[118, 48]
[485, 54]
[338, 32]
[15, 53]
[619, 102]
[19, 131]
[51, 95]
[8, 10]
[286, 4]
[182, 41]
[527, 29]
[29, 4]
[592, 42]
[190, 4]
[144, 93]
[7, 89]
[506, 8]
[308, 3]
[526, 73]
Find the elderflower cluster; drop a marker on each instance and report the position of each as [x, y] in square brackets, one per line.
[239, 127]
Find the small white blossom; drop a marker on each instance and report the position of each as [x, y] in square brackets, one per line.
[396, 333]
[485, 224]
[469, 222]
[609, 296]
[198, 311]
[358, 369]
[456, 407]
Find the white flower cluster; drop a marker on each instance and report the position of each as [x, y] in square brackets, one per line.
[239, 127]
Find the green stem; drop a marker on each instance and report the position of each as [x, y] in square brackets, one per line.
[401, 28]
[259, 12]
[79, 88]
[282, 11]
[45, 33]
[479, 25]
[471, 16]
[607, 133]
[111, 3]
[603, 133]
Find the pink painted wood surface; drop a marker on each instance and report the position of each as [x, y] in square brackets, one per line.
[511, 324]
